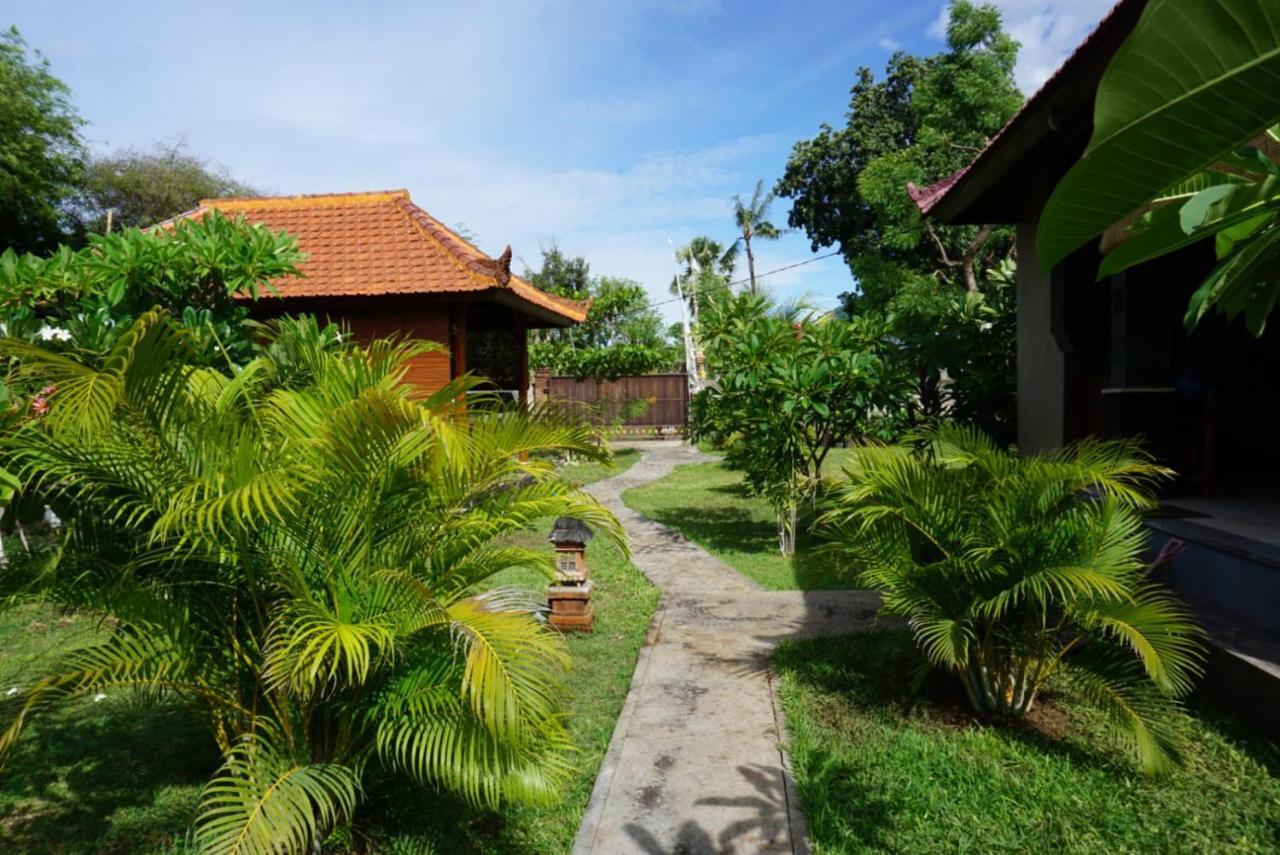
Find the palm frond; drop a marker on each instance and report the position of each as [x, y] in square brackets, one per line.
[267, 800]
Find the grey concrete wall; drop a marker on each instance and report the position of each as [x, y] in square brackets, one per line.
[1041, 364]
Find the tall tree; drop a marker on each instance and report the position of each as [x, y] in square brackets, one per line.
[752, 220]
[568, 276]
[41, 154]
[927, 118]
[621, 335]
[142, 188]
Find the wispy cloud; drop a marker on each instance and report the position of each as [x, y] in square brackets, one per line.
[607, 126]
[1047, 30]
[1048, 33]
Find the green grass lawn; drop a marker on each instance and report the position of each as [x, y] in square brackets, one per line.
[709, 504]
[881, 772]
[587, 471]
[123, 775]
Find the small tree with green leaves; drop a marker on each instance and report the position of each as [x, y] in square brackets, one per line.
[198, 270]
[788, 386]
[1012, 570]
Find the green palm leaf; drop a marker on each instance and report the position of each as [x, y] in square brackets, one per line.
[265, 800]
[298, 550]
[1002, 565]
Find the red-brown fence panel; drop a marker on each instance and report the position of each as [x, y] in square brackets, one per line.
[650, 402]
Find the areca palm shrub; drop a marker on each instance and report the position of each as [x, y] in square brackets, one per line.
[301, 551]
[1012, 570]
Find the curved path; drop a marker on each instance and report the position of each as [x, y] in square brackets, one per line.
[695, 764]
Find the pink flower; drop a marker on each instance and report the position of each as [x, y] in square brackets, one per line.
[39, 406]
[48, 390]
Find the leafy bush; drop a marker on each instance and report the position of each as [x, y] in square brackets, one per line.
[296, 551]
[1005, 566]
[788, 386]
[83, 299]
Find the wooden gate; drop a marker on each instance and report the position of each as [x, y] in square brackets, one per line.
[648, 403]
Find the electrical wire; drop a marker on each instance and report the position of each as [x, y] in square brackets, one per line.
[758, 276]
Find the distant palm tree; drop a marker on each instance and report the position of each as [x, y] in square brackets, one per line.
[752, 221]
[703, 254]
[705, 265]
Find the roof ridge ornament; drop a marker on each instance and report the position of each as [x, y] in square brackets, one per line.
[503, 267]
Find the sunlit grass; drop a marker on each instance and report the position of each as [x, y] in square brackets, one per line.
[880, 770]
[709, 504]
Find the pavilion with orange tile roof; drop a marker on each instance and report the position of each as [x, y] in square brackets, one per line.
[382, 265]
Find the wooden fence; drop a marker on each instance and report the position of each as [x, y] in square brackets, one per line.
[665, 397]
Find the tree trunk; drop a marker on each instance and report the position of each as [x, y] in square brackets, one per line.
[751, 263]
[1001, 687]
[787, 529]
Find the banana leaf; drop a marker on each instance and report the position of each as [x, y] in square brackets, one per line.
[1192, 83]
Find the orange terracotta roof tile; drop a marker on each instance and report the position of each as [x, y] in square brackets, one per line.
[377, 243]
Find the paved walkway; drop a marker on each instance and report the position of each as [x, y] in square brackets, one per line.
[695, 765]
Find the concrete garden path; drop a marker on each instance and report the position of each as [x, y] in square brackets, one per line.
[695, 765]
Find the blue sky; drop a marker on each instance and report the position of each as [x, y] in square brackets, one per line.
[607, 127]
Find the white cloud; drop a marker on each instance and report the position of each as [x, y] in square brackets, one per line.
[1047, 30]
[887, 43]
[602, 126]
[1048, 33]
[938, 28]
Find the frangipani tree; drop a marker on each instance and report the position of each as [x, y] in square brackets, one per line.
[194, 269]
[788, 385]
[301, 551]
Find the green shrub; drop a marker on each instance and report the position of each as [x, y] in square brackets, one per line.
[1009, 569]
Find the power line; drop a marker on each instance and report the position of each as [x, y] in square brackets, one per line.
[758, 276]
[892, 232]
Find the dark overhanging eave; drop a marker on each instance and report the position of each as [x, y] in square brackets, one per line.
[1053, 124]
[539, 316]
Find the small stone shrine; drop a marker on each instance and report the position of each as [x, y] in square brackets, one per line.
[570, 594]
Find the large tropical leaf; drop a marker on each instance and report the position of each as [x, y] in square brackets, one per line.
[1246, 282]
[1206, 213]
[1194, 81]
